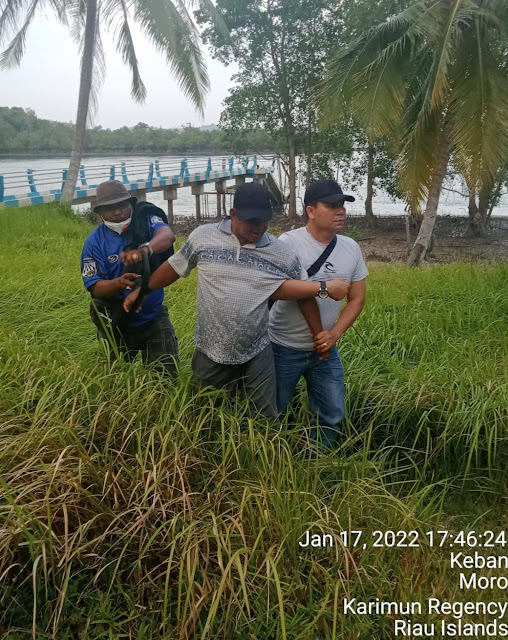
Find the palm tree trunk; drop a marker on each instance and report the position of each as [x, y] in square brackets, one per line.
[85, 87]
[423, 240]
[369, 213]
[483, 210]
[472, 210]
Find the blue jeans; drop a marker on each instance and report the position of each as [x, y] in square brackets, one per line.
[325, 388]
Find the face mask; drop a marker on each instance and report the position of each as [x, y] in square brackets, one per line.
[117, 227]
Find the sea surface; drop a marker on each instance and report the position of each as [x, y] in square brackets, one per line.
[97, 170]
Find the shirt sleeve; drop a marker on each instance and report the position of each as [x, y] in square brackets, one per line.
[184, 260]
[156, 223]
[93, 267]
[361, 271]
[297, 271]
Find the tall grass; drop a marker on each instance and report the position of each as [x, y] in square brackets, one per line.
[131, 508]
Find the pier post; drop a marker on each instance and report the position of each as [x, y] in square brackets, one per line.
[198, 190]
[239, 180]
[220, 187]
[170, 194]
[140, 194]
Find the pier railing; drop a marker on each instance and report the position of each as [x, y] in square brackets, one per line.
[37, 186]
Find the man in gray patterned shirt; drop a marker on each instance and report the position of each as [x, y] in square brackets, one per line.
[240, 267]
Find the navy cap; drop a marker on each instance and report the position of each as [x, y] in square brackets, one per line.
[252, 202]
[325, 191]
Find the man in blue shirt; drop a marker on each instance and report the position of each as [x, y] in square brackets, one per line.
[102, 268]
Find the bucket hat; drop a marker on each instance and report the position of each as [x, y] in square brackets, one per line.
[111, 192]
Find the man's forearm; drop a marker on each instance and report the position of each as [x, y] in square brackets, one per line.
[106, 288]
[310, 310]
[346, 318]
[294, 289]
[162, 240]
[163, 276]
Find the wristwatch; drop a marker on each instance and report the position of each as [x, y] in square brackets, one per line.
[322, 293]
[147, 244]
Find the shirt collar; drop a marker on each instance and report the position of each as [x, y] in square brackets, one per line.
[225, 226]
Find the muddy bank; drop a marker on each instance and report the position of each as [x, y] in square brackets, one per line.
[388, 242]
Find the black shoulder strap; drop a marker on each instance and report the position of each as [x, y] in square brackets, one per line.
[314, 268]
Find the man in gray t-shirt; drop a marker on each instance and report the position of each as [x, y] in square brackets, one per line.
[295, 350]
[240, 267]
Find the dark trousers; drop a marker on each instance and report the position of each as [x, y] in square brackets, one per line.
[156, 340]
[255, 379]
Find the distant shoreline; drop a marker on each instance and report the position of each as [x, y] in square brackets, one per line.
[105, 154]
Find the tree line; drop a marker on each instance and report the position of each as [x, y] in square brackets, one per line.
[405, 91]
[21, 131]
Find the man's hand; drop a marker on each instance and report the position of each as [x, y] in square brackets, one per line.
[131, 257]
[127, 281]
[337, 289]
[323, 342]
[130, 301]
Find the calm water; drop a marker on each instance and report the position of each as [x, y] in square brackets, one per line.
[450, 204]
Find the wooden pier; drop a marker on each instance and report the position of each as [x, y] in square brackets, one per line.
[30, 187]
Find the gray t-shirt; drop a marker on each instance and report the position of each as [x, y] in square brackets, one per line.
[287, 324]
[234, 284]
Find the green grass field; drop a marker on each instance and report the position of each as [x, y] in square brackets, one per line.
[134, 509]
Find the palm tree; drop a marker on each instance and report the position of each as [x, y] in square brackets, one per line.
[434, 79]
[167, 24]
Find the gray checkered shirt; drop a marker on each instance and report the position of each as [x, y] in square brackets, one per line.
[234, 284]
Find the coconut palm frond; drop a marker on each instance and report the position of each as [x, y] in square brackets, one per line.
[416, 161]
[10, 12]
[417, 151]
[77, 16]
[480, 110]
[110, 12]
[61, 9]
[125, 46]
[171, 35]
[372, 69]
[11, 57]
[497, 8]
[380, 95]
[181, 7]
[447, 34]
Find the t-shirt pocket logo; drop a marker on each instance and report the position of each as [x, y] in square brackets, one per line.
[113, 258]
[89, 269]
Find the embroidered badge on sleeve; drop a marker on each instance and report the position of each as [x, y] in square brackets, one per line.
[89, 269]
[155, 219]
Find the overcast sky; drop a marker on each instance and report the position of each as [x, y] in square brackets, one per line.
[47, 82]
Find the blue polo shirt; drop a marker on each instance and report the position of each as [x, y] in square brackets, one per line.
[100, 260]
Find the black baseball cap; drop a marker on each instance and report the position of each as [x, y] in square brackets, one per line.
[252, 202]
[325, 191]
